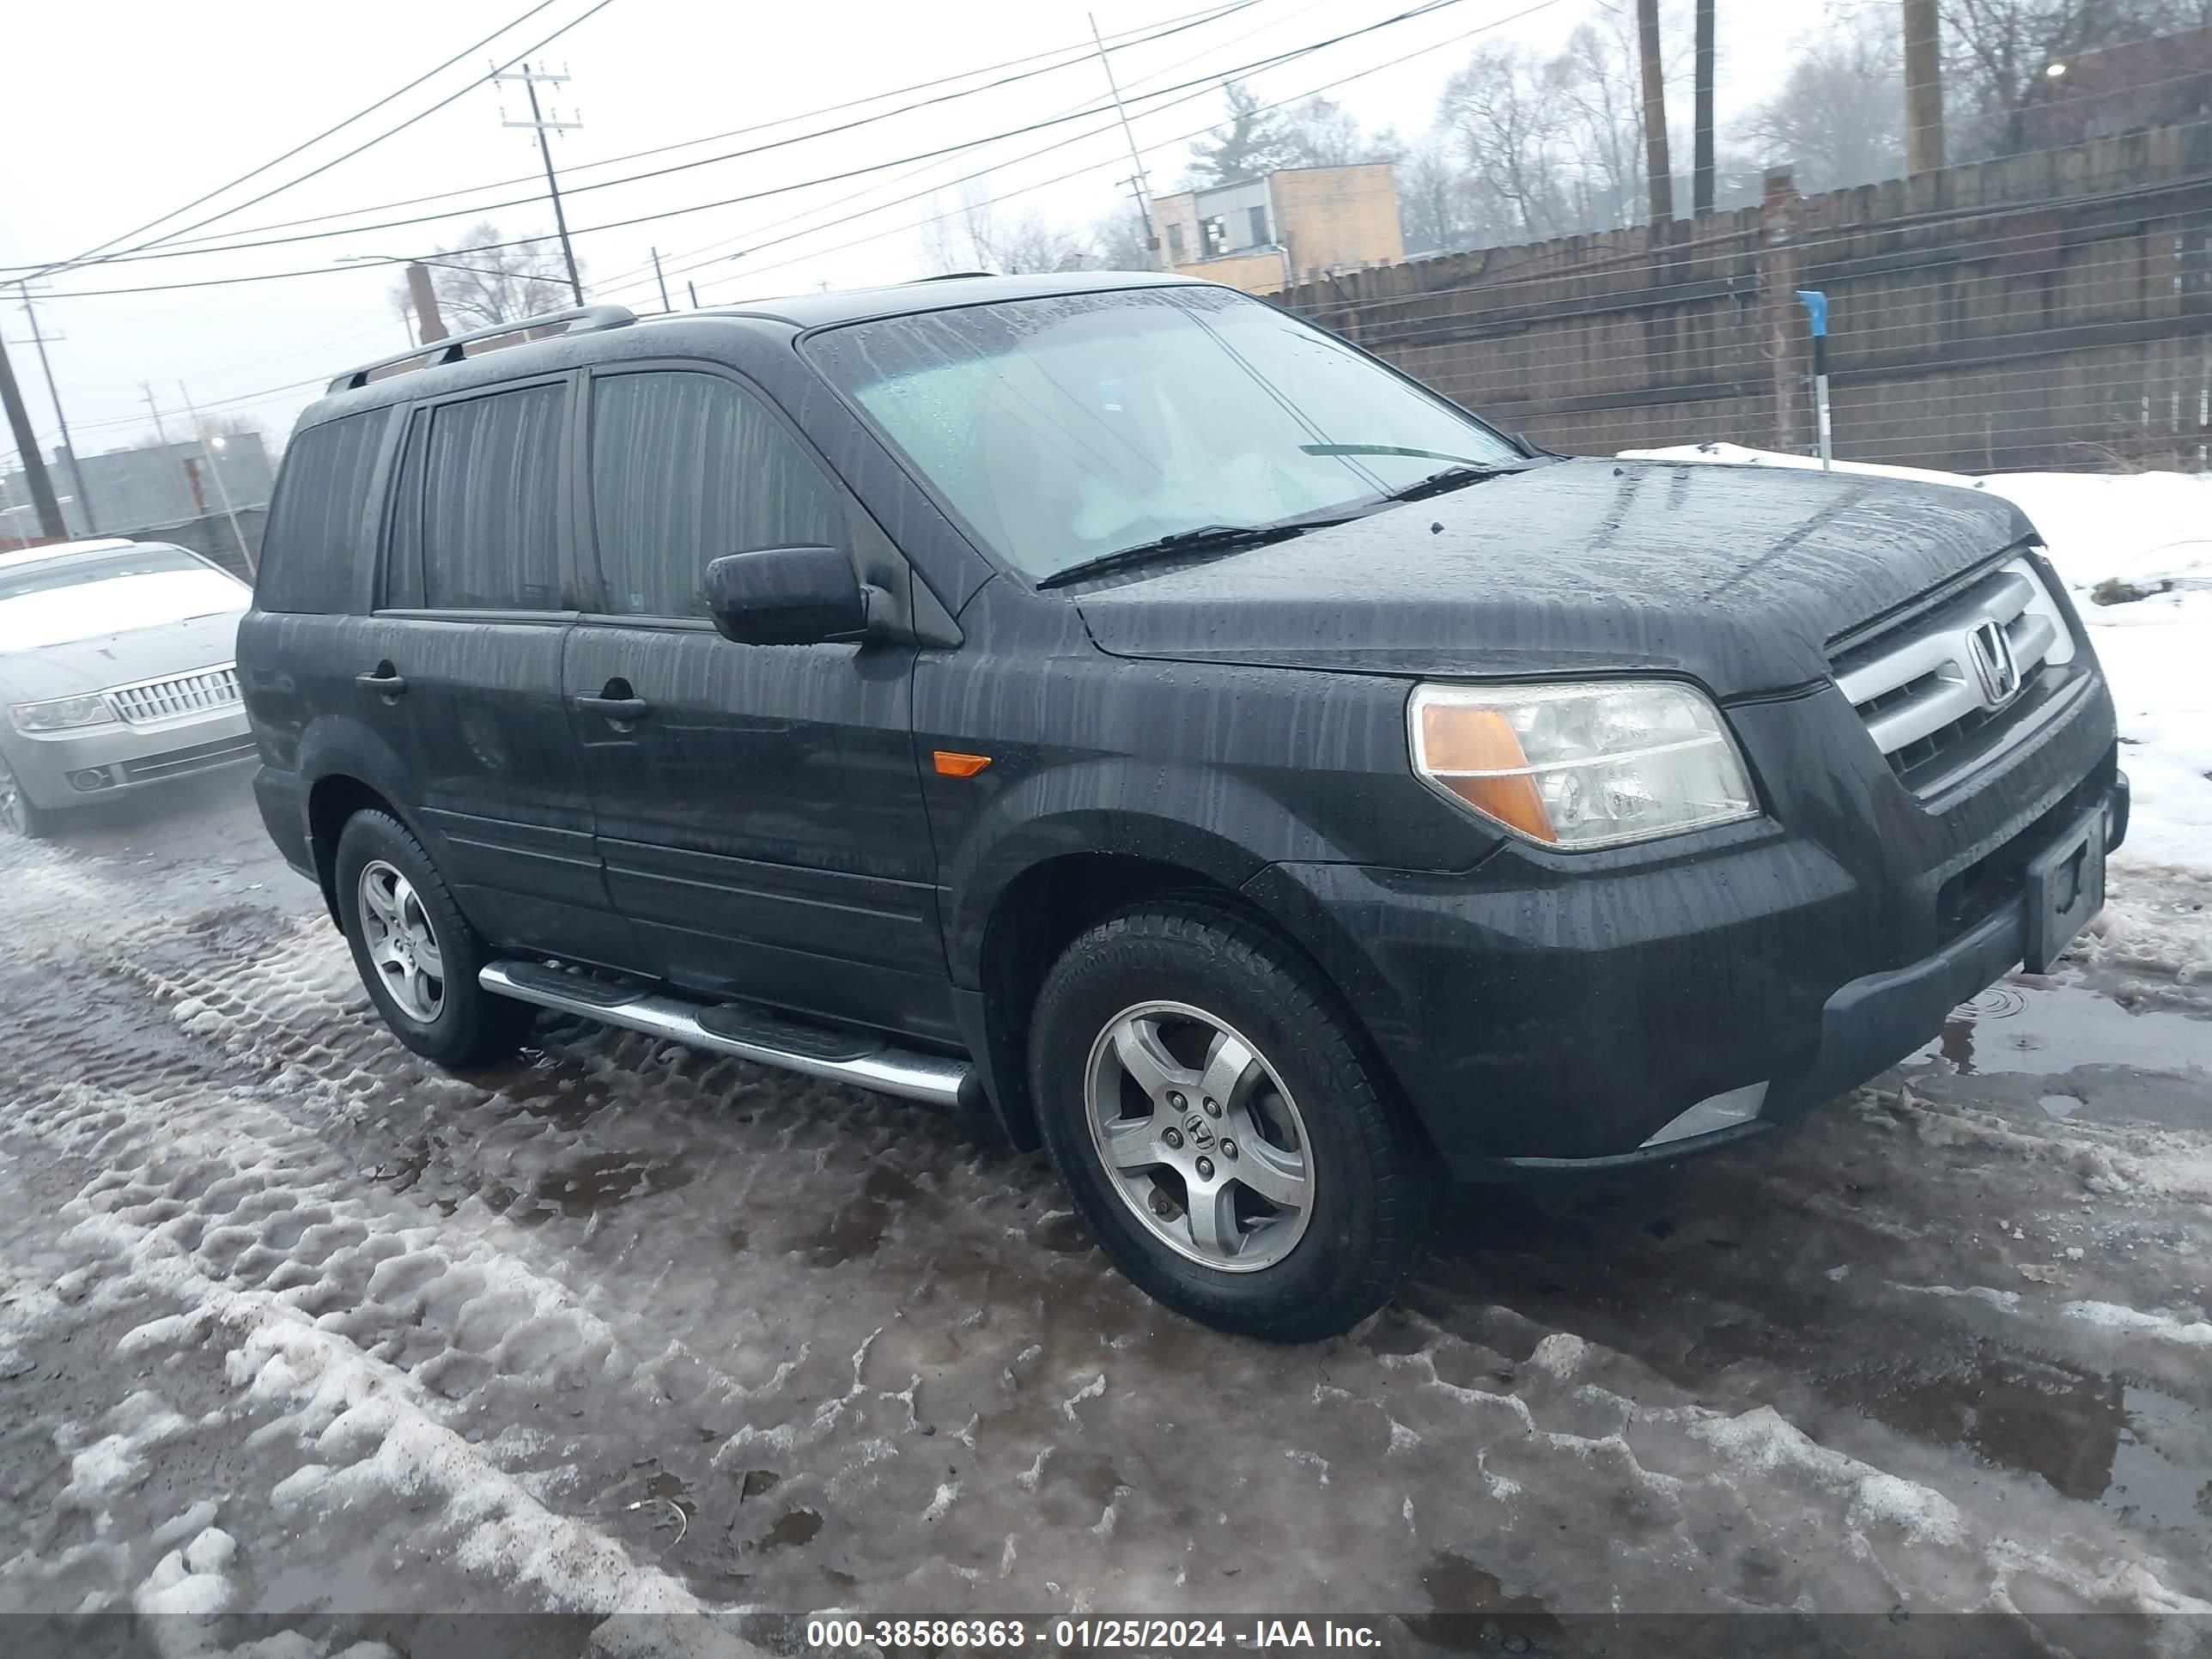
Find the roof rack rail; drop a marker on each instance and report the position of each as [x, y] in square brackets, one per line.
[578, 320]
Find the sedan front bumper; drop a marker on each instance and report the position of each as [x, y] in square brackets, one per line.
[56, 769]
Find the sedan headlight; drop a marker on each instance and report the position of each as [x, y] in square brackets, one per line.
[60, 713]
[1592, 764]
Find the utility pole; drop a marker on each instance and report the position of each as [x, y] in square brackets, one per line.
[532, 79]
[694, 286]
[665, 307]
[1923, 86]
[53, 391]
[429, 326]
[160, 431]
[222, 489]
[1701, 160]
[1142, 182]
[1658, 171]
[26, 445]
[1151, 235]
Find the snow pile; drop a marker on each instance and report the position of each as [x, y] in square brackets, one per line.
[2148, 533]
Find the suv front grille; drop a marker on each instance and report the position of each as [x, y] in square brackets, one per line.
[1947, 683]
[186, 694]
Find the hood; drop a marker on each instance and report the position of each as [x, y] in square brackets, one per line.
[118, 658]
[1738, 576]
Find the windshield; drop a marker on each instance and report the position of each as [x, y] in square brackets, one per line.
[55, 601]
[1062, 428]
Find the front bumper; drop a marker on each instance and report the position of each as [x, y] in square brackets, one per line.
[66, 768]
[1546, 1012]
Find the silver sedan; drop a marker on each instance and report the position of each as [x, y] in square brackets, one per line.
[115, 671]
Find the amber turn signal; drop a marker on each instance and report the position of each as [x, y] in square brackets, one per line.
[952, 764]
[1473, 752]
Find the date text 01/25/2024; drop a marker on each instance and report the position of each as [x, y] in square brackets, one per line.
[1090, 1632]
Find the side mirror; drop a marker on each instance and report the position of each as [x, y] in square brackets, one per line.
[788, 596]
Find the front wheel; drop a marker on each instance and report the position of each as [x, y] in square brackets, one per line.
[1220, 1127]
[417, 952]
[19, 814]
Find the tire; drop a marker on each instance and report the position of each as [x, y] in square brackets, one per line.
[1310, 1223]
[421, 974]
[18, 814]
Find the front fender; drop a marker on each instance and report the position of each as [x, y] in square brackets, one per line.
[1210, 822]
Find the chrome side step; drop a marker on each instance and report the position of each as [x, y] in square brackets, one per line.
[864, 1062]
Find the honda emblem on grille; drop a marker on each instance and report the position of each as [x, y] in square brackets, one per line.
[1994, 666]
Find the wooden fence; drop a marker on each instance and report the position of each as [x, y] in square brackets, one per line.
[2045, 311]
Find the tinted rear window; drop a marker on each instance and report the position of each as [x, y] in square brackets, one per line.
[318, 528]
[490, 509]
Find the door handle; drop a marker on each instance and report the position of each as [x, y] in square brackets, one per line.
[621, 711]
[385, 681]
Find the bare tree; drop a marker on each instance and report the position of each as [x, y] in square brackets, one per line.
[481, 284]
[958, 237]
[1510, 135]
[1836, 121]
[1434, 213]
[1996, 53]
[972, 237]
[1597, 83]
[1122, 242]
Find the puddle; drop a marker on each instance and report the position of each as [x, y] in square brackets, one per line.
[1471, 1612]
[757, 1481]
[2150, 1487]
[556, 1090]
[2124, 1447]
[2022, 1414]
[589, 1185]
[2043, 1030]
[794, 1526]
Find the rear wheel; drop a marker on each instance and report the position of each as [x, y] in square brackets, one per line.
[415, 952]
[1217, 1123]
[18, 816]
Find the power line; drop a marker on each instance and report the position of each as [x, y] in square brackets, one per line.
[130, 255]
[309, 144]
[1207, 82]
[622, 277]
[1126, 38]
[1327, 86]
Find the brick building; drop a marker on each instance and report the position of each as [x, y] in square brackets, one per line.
[1266, 233]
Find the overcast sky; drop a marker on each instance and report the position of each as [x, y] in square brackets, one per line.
[116, 111]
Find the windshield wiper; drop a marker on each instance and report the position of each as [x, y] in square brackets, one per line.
[1453, 477]
[1388, 449]
[1462, 472]
[1206, 538]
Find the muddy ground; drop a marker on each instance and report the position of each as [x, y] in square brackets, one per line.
[290, 1325]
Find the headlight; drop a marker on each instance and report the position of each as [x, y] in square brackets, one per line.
[1594, 764]
[61, 713]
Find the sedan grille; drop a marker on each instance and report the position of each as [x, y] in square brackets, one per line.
[186, 694]
[1936, 688]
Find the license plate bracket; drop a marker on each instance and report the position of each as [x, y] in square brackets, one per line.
[2065, 888]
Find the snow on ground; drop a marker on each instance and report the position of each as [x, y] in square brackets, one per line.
[2152, 531]
[292, 1328]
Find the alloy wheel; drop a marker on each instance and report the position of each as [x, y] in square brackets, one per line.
[1199, 1137]
[402, 946]
[12, 812]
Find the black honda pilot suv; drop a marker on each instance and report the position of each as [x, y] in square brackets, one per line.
[1111, 699]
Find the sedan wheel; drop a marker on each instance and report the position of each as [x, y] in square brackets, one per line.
[17, 816]
[1203, 1143]
[403, 945]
